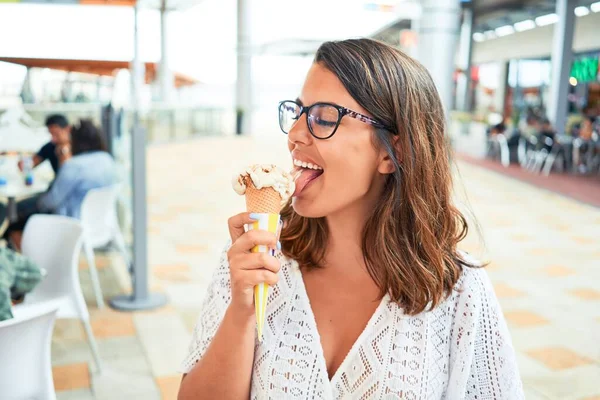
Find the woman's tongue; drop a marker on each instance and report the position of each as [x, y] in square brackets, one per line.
[306, 176]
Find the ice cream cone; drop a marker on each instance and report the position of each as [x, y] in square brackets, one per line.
[266, 189]
[265, 200]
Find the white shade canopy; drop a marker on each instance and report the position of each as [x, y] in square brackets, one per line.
[19, 133]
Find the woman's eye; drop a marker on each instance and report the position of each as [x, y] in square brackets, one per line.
[325, 123]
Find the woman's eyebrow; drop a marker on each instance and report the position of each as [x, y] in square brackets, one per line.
[299, 101]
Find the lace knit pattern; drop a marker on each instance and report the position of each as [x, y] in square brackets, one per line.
[459, 350]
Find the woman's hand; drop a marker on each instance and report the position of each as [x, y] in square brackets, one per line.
[248, 269]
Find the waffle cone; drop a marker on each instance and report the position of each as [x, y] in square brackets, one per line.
[265, 200]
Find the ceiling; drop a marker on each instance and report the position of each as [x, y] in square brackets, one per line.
[489, 15]
[492, 14]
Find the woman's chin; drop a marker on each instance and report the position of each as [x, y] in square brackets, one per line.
[306, 208]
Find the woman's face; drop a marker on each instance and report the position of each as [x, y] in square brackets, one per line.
[353, 170]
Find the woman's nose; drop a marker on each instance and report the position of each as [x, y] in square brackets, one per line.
[299, 133]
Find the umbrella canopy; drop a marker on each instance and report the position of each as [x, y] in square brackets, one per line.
[20, 133]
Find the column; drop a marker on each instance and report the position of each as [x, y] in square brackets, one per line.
[464, 83]
[562, 56]
[500, 92]
[165, 74]
[243, 90]
[438, 37]
[141, 298]
[137, 66]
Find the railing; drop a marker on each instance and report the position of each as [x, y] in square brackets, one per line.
[162, 123]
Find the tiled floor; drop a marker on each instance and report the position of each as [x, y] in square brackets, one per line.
[543, 250]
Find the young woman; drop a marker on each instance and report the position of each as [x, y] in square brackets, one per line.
[370, 296]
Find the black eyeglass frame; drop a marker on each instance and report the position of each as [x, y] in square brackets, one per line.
[342, 112]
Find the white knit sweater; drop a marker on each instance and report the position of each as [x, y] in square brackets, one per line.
[459, 350]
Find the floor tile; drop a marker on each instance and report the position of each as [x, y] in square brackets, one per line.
[70, 377]
[68, 329]
[174, 272]
[557, 358]
[116, 384]
[165, 341]
[524, 318]
[169, 386]
[78, 394]
[191, 248]
[586, 293]
[504, 290]
[108, 323]
[584, 240]
[558, 271]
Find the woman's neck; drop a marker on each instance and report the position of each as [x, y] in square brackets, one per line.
[344, 247]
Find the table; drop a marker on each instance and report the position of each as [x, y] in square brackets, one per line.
[16, 190]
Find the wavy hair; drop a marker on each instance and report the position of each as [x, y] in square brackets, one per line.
[409, 242]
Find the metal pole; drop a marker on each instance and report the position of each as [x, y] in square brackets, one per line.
[562, 56]
[244, 69]
[463, 89]
[438, 36]
[166, 77]
[140, 299]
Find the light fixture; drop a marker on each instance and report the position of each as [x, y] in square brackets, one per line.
[478, 37]
[524, 25]
[573, 81]
[490, 34]
[595, 7]
[547, 19]
[581, 11]
[504, 30]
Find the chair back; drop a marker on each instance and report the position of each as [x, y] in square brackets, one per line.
[25, 344]
[99, 215]
[54, 243]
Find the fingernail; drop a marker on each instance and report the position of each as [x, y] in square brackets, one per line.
[254, 216]
[278, 245]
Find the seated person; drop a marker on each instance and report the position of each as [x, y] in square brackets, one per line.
[53, 151]
[87, 166]
[56, 152]
[546, 135]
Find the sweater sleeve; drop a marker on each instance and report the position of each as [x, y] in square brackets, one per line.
[482, 360]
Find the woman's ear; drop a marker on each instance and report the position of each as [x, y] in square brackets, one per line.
[386, 164]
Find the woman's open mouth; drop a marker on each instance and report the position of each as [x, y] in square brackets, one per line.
[308, 173]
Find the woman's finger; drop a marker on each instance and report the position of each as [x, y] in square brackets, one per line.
[255, 237]
[237, 225]
[255, 261]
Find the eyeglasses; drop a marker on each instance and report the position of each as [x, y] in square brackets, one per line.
[323, 119]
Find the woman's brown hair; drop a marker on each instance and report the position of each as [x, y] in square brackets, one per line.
[86, 137]
[410, 241]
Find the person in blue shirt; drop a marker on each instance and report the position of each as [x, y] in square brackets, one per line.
[89, 167]
[86, 166]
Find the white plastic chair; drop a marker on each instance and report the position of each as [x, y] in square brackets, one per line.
[25, 344]
[100, 228]
[54, 243]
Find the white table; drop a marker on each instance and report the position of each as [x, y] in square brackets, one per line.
[16, 190]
